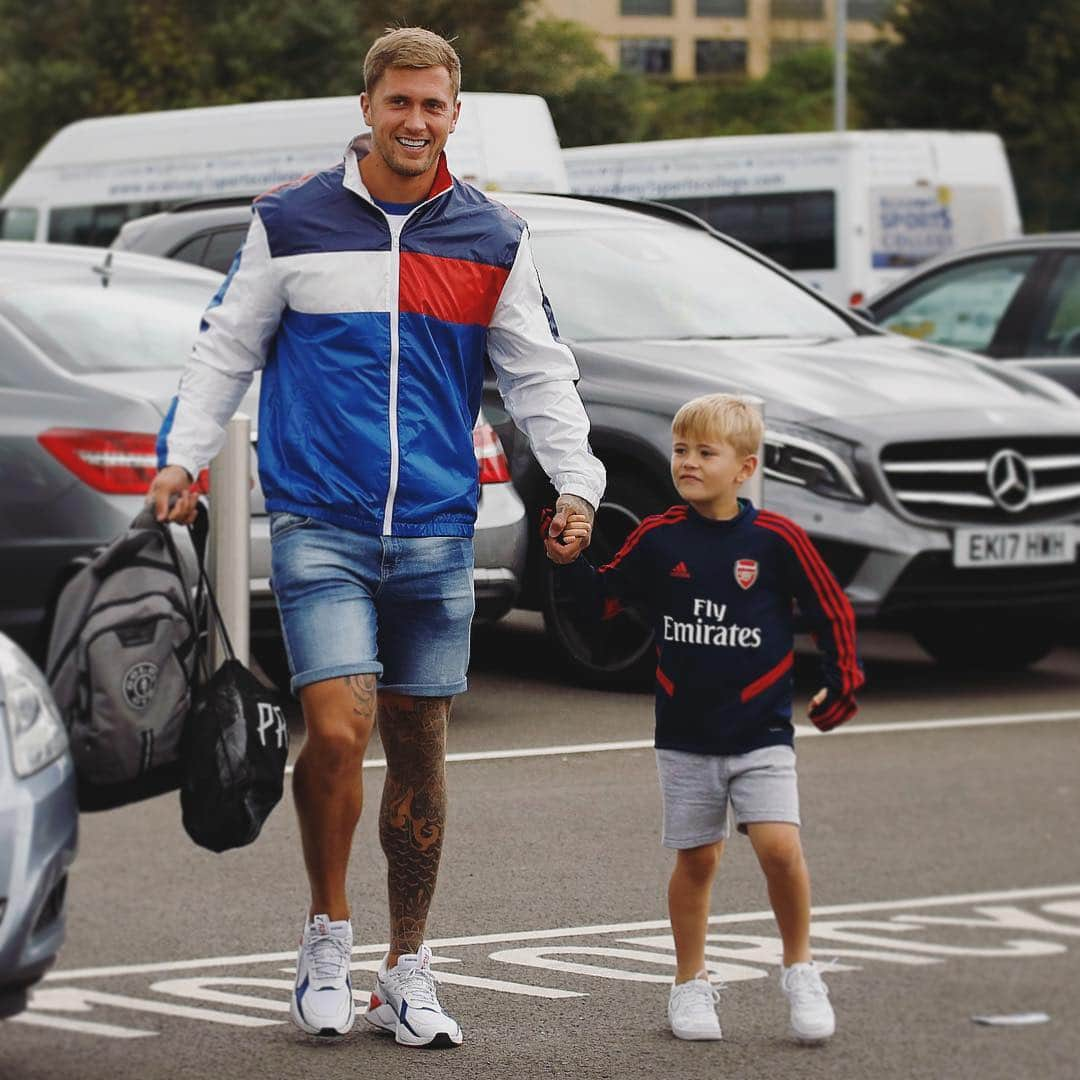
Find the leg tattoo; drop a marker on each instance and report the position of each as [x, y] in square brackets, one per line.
[413, 813]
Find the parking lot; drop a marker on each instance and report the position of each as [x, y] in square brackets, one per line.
[939, 828]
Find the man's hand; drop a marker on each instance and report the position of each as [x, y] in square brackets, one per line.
[570, 530]
[173, 482]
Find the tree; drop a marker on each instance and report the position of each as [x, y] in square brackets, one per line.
[987, 66]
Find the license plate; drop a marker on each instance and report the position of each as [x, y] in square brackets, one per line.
[1029, 545]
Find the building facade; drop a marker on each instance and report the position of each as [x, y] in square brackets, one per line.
[692, 39]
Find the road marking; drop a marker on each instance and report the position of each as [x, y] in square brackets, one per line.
[82, 1027]
[802, 731]
[1042, 893]
[1002, 930]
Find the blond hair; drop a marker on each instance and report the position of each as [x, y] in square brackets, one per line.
[411, 47]
[723, 417]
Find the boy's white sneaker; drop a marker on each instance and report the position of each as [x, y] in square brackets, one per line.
[692, 1010]
[812, 1017]
[322, 1000]
[404, 1004]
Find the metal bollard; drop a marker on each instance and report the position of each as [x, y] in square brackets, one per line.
[229, 562]
[754, 488]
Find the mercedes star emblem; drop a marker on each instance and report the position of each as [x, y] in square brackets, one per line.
[1010, 480]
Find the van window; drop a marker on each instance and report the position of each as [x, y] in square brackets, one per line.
[96, 225]
[797, 229]
[18, 223]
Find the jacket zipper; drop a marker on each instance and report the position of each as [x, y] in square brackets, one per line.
[395, 318]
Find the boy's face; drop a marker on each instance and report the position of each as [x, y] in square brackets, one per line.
[706, 469]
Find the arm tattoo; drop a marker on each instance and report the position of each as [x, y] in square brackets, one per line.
[412, 817]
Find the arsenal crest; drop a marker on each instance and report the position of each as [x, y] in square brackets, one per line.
[746, 572]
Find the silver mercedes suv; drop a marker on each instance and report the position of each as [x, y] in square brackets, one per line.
[942, 489]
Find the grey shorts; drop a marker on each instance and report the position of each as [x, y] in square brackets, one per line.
[696, 790]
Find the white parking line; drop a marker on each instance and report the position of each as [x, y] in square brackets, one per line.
[1047, 892]
[802, 731]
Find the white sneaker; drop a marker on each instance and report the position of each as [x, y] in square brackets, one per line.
[322, 1002]
[812, 1017]
[692, 1009]
[405, 1004]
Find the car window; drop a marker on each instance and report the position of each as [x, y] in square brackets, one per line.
[18, 223]
[191, 251]
[659, 281]
[961, 306]
[223, 247]
[1056, 331]
[138, 321]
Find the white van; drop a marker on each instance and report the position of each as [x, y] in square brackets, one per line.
[847, 212]
[94, 175]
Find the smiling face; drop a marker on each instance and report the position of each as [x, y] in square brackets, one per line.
[411, 113]
[708, 471]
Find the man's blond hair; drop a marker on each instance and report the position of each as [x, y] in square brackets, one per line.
[722, 418]
[411, 47]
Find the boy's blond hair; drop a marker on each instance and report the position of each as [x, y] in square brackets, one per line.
[724, 418]
[411, 47]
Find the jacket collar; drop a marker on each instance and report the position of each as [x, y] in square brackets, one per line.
[354, 182]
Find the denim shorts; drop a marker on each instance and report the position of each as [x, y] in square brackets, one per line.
[350, 603]
[696, 788]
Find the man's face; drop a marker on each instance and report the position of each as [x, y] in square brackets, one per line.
[411, 112]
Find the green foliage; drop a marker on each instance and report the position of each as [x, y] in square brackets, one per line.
[984, 65]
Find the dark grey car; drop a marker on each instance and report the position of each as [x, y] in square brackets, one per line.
[942, 489]
[1017, 301]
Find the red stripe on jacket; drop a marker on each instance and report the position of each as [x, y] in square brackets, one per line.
[672, 516]
[451, 290]
[766, 680]
[834, 603]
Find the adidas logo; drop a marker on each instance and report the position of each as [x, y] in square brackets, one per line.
[679, 570]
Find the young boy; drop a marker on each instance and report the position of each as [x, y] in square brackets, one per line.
[717, 578]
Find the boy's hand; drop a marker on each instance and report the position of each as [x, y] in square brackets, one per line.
[828, 709]
[567, 532]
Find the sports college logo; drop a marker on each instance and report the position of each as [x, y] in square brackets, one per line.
[140, 682]
[746, 571]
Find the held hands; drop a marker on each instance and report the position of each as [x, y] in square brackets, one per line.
[173, 496]
[567, 532]
[828, 709]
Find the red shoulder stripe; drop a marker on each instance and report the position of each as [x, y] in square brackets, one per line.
[831, 597]
[672, 516]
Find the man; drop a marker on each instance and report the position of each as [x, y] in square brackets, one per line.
[368, 295]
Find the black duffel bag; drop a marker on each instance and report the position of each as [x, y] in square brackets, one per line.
[235, 746]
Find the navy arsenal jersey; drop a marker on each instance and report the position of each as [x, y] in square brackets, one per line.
[720, 597]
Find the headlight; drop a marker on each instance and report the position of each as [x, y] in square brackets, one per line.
[28, 711]
[812, 460]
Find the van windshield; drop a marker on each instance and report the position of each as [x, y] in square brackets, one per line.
[141, 323]
[659, 281]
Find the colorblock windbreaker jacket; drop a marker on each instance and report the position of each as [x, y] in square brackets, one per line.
[372, 350]
[719, 596]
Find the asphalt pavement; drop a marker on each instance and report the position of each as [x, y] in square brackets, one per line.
[940, 828]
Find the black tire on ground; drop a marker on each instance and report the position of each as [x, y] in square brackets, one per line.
[619, 652]
[981, 643]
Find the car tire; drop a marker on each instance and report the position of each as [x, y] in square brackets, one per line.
[618, 653]
[988, 644]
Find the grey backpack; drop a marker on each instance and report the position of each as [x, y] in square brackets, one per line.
[123, 655]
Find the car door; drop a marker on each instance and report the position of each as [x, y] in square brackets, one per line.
[971, 305]
[1051, 339]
